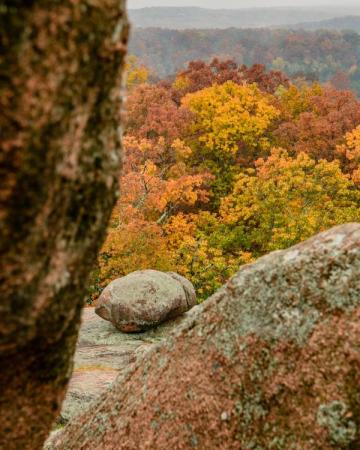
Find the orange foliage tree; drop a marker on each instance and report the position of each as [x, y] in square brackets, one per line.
[155, 185]
[349, 154]
[224, 164]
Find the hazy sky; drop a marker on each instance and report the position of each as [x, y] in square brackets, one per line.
[237, 3]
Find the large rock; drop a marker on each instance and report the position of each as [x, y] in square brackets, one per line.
[60, 153]
[102, 352]
[144, 299]
[271, 361]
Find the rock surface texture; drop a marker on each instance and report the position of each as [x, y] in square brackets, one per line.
[60, 154]
[144, 299]
[271, 361]
[102, 353]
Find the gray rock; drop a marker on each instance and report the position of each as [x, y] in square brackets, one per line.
[102, 353]
[144, 299]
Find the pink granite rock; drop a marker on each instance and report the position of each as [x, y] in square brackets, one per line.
[271, 361]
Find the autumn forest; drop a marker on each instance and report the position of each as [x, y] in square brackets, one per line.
[224, 163]
[180, 225]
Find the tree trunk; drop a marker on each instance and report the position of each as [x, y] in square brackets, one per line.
[60, 76]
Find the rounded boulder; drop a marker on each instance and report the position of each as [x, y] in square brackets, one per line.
[144, 299]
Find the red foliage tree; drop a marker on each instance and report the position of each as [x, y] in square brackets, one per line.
[341, 81]
[266, 81]
[200, 75]
[152, 112]
[321, 127]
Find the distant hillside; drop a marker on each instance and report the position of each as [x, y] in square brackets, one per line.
[186, 18]
[337, 23]
[313, 54]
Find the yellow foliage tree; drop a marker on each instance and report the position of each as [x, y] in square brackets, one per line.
[193, 248]
[229, 116]
[297, 99]
[135, 73]
[230, 129]
[286, 200]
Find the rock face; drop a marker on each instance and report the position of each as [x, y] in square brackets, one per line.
[102, 353]
[271, 361]
[60, 154]
[144, 299]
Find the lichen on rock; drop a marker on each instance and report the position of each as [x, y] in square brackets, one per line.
[277, 349]
[337, 419]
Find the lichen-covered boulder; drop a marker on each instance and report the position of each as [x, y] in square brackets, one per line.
[271, 361]
[144, 299]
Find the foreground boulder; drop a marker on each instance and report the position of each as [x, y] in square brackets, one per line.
[60, 153]
[144, 299]
[271, 361]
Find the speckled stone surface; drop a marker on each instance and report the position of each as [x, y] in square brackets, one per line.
[60, 157]
[101, 354]
[271, 361]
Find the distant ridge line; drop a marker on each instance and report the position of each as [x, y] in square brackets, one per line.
[181, 18]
